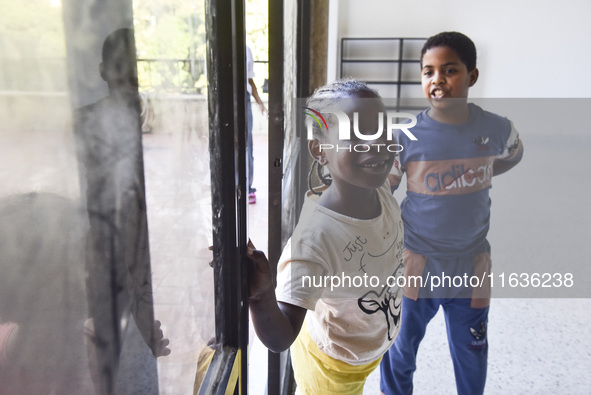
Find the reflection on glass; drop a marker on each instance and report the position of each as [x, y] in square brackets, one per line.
[77, 269]
[108, 140]
[42, 291]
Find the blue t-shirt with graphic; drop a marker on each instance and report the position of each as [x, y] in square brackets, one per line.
[449, 169]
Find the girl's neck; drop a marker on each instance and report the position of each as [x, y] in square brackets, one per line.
[356, 203]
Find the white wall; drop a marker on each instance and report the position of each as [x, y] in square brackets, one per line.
[526, 48]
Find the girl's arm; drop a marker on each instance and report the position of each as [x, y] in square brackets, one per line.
[277, 324]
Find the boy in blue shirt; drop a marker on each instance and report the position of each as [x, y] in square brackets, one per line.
[446, 215]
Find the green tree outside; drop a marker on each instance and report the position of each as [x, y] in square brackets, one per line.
[173, 31]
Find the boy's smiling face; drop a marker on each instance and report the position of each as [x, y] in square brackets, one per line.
[445, 79]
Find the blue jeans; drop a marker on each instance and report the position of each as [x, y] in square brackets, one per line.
[249, 148]
[466, 327]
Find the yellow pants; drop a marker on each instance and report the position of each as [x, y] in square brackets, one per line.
[317, 373]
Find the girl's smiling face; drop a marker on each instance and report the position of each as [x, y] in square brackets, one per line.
[356, 163]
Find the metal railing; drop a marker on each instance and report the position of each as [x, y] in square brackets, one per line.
[175, 76]
[182, 76]
[171, 75]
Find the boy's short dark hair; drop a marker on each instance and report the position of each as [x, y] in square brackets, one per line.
[458, 42]
[114, 42]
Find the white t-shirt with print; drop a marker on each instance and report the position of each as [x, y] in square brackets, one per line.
[356, 321]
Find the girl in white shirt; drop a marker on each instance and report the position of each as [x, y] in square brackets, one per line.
[343, 262]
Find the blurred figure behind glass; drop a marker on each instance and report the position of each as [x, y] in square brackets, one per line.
[42, 296]
[109, 150]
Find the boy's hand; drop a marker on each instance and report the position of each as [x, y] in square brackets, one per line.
[160, 343]
[261, 276]
[263, 110]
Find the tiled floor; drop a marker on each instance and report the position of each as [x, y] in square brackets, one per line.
[179, 226]
[178, 198]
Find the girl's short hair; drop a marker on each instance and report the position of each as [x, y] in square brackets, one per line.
[338, 89]
[322, 98]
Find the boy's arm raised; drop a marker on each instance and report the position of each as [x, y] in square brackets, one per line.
[500, 166]
[511, 155]
[277, 324]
